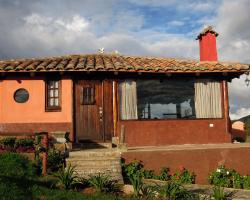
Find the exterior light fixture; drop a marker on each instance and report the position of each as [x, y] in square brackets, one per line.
[247, 80]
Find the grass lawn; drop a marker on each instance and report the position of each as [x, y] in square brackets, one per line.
[44, 189]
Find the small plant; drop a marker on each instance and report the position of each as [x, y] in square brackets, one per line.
[67, 177]
[102, 183]
[221, 177]
[132, 168]
[24, 145]
[236, 178]
[246, 182]
[184, 176]
[8, 143]
[173, 191]
[220, 194]
[56, 160]
[136, 181]
[149, 174]
[164, 174]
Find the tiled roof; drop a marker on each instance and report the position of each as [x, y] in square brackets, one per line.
[110, 62]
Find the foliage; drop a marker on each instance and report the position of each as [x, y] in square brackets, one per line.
[55, 194]
[229, 178]
[134, 173]
[56, 160]
[220, 194]
[184, 176]
[11, 144]
[67, 177]
[221, 177]
[135, 168]
[173, 191]
[13, 164]
[8, 143]
[37, 165]
[246, 182]
[164, 174]
[16, 171]
[102, 183]
[27, 143]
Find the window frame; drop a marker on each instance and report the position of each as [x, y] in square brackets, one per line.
[49, 108]
[170, 119]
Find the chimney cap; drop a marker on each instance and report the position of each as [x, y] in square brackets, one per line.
[208, 29]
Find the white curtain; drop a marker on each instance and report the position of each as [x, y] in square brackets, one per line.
[208, 99]
[128, 99]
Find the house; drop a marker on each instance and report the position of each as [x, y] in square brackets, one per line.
[144, 101]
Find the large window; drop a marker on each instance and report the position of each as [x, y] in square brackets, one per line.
[53, 95]
[169, 99]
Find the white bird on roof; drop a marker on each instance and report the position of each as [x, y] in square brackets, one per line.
[101, 50]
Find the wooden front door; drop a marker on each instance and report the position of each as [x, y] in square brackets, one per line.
[89, 110]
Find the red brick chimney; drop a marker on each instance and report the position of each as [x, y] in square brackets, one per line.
[207, 40]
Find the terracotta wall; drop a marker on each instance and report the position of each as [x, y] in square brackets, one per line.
[32, 112]
[201, 161]
[162, 132]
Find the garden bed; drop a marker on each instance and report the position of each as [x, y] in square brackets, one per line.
[204, 191]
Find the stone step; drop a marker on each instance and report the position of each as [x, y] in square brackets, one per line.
[92, 145]
[90, 158]
[95, 154]
[94, 162]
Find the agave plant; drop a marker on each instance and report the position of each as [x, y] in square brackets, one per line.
[67, 177]
[102, 183]
[173, 191]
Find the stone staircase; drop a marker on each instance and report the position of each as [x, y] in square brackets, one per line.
[89, 162]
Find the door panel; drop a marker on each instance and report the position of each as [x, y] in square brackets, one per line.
[89, 110]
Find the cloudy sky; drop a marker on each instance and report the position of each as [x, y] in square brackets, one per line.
[36, 28]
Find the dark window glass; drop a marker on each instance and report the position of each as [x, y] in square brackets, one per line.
[88, 94]
[21, 95]
[167, 99]
[53, 95]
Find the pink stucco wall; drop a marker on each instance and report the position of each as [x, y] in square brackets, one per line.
[33, 111]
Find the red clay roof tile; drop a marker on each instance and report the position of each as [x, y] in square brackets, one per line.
[110, 62]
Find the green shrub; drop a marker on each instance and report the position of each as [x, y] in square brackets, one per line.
[184, 176]
[67, 177]
[136, 181]
[149, 174]
[221, 177]
[220, 194]
[102, 183]
[37, 165]
[164, 174]
[26, 143]
[13, 164]
[133, 172]
[8, 143]
[229, 178]
[131, 168]
[56, 160]
[246, 182]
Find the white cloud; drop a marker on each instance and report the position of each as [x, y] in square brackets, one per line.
[176, 23]
[242, 112]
